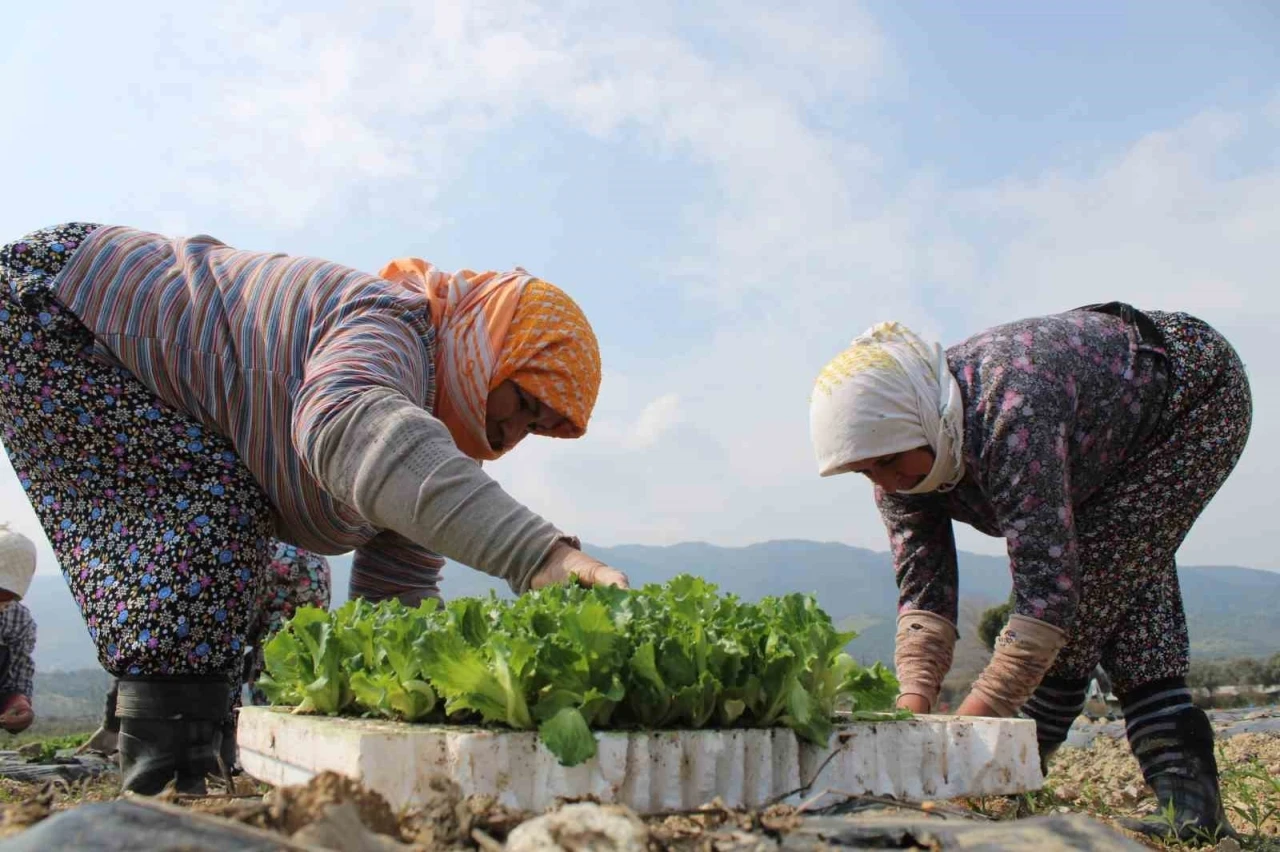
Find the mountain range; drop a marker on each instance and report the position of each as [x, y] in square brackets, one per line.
[1231, 611]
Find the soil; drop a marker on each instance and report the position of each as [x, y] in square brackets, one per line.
[1101, 780]
[1104, 779]
[293, 808]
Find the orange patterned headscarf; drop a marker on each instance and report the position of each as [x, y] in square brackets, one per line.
[491, 327]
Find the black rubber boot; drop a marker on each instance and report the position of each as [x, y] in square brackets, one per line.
[171, 730]
[1173, 742]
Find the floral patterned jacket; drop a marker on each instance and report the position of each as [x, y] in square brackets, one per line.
[1053, 407]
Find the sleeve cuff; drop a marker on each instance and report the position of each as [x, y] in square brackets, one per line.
[1025, 651]
[924, 648]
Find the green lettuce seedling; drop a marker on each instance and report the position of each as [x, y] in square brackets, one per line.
[567, 660]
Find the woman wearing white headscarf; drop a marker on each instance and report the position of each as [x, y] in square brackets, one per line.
[1090, 441]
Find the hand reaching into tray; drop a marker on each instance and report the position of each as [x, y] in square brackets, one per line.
[564, 561]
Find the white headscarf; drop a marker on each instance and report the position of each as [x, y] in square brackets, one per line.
[889, 392]
[17, 561]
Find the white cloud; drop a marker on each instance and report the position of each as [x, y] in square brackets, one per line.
[312, 108]
[804, 240]
[657, 418]
[1160, 224]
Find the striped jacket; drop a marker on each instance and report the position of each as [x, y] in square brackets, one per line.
[264, 349]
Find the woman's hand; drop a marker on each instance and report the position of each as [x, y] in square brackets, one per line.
[564, 562]
[16, 715]
[973, 705]
[914, 703]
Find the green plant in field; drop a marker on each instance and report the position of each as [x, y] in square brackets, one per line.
[49, 747]
[43, 729]
[1199, 837]
[1252, 796]
[1094, 801]
[980, 805]
[567, 659]
[1036, 802]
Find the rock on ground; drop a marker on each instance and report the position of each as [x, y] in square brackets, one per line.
[582, 827]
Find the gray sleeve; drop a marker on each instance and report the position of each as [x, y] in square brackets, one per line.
[399, 468]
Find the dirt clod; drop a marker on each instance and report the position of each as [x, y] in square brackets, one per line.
[440, 822]
[292, 808]
[341, 828]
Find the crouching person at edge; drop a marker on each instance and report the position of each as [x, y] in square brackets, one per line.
[17, 631]
[176, 408]
[1090, 441]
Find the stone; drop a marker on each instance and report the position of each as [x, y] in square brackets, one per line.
[583, 827]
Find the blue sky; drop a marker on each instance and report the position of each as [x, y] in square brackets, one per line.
[731, 190]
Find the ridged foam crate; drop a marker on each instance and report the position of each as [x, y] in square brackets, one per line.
[929, 757]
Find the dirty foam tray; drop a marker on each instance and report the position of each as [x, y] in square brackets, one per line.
[928, 757]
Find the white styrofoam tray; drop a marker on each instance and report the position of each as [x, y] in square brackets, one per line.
[929, 757]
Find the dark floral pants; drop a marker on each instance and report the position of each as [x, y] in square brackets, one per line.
[1131, 616]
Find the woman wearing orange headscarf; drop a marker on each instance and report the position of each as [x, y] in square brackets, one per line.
[190, 421]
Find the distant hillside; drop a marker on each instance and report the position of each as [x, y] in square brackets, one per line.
[76, 694]
[1232, 611]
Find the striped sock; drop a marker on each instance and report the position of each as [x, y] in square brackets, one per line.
[1155, 717]
[1173, 742]
[1054, 706]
